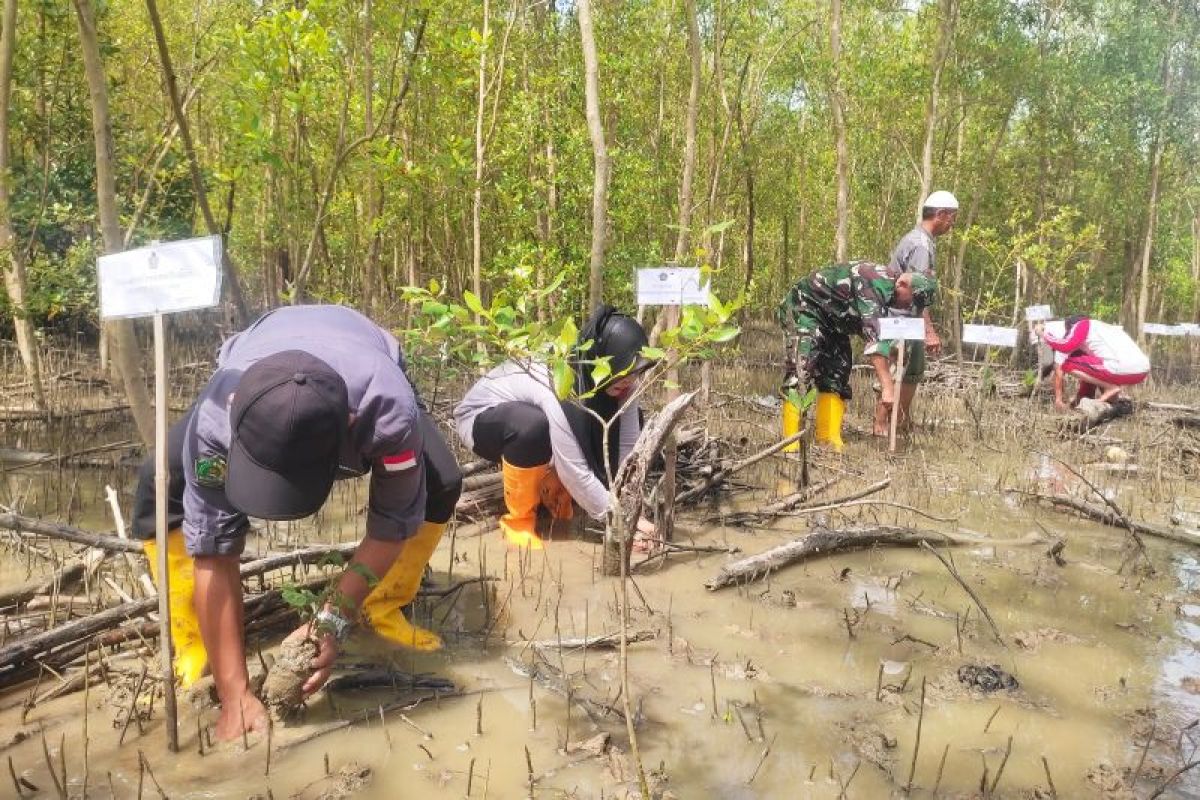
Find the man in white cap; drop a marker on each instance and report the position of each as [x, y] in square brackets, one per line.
[915, 253]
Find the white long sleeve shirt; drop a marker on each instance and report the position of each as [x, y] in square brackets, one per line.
[512, 382]
[1110, 343]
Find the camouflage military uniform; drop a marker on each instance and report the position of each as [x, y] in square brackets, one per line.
[820, 313]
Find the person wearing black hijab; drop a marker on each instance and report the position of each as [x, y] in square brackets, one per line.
[555, 453]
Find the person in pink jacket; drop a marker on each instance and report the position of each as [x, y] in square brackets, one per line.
[1101, 356]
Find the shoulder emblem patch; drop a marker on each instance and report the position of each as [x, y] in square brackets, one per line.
[210, 472]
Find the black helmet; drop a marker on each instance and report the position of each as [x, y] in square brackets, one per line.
[622, 339]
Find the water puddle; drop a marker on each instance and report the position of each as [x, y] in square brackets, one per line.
[812, 683]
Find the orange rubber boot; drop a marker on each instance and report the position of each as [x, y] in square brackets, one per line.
[522, 495]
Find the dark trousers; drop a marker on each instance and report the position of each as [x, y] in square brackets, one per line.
[443, 479]
[519, 433]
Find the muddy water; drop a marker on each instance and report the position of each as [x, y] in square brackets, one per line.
[1103, 651]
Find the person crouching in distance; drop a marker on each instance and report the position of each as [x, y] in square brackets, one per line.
[555, 453]
[1101, 356]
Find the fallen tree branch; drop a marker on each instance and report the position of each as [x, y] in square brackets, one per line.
[721, 474]
[799, 512]
[1107, 517]
[824, 541]
[63, 640]
[606, 640]
[781, 505]
[105, 541]
[22, 459]
[1094, 414]
[60, 579]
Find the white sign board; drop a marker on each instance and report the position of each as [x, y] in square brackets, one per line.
[1188, 329]
[671, 286]
[1159, 329]
[989, 334]
[161, 278]
[902, 328]
[1036, 313]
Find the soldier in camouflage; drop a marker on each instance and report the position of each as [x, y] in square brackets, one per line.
[821, 312]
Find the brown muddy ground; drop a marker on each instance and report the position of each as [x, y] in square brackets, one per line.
[808, 684]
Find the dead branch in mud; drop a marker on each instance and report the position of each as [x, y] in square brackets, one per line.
[1095, 414]
[966, 588]
[785, 503]
[20, 523]
[607, 640]
[1108, 517]
[61, 578]
[721, 474]
[1116, 509]
[87, 457]
[65, 643]
[824, 541]
[788, 506]
[1172, 407]
[627, 486]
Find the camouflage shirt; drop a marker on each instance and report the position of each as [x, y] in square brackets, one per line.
[849, 299]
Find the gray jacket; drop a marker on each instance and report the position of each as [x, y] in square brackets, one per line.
[515, 382]
[384, 423]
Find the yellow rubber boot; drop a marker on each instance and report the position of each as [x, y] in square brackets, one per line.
[830, 409]
[399, 586]
[555, 497]
[522, 495]
[190, 656]
[791, 425]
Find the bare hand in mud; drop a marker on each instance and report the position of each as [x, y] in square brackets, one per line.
[645, 540]
[322, 664]
[244, 714]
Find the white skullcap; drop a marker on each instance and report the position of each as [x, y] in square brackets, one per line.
[941, 199]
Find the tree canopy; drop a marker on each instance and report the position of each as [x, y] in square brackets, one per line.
[340, 143]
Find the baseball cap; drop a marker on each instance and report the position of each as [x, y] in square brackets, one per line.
[289, 416]
[941, 199]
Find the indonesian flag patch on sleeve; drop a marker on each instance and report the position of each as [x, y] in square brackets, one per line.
[400, 461]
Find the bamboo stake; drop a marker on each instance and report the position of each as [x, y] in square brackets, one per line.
[161, 476]
[896, 396]
[87, 686]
